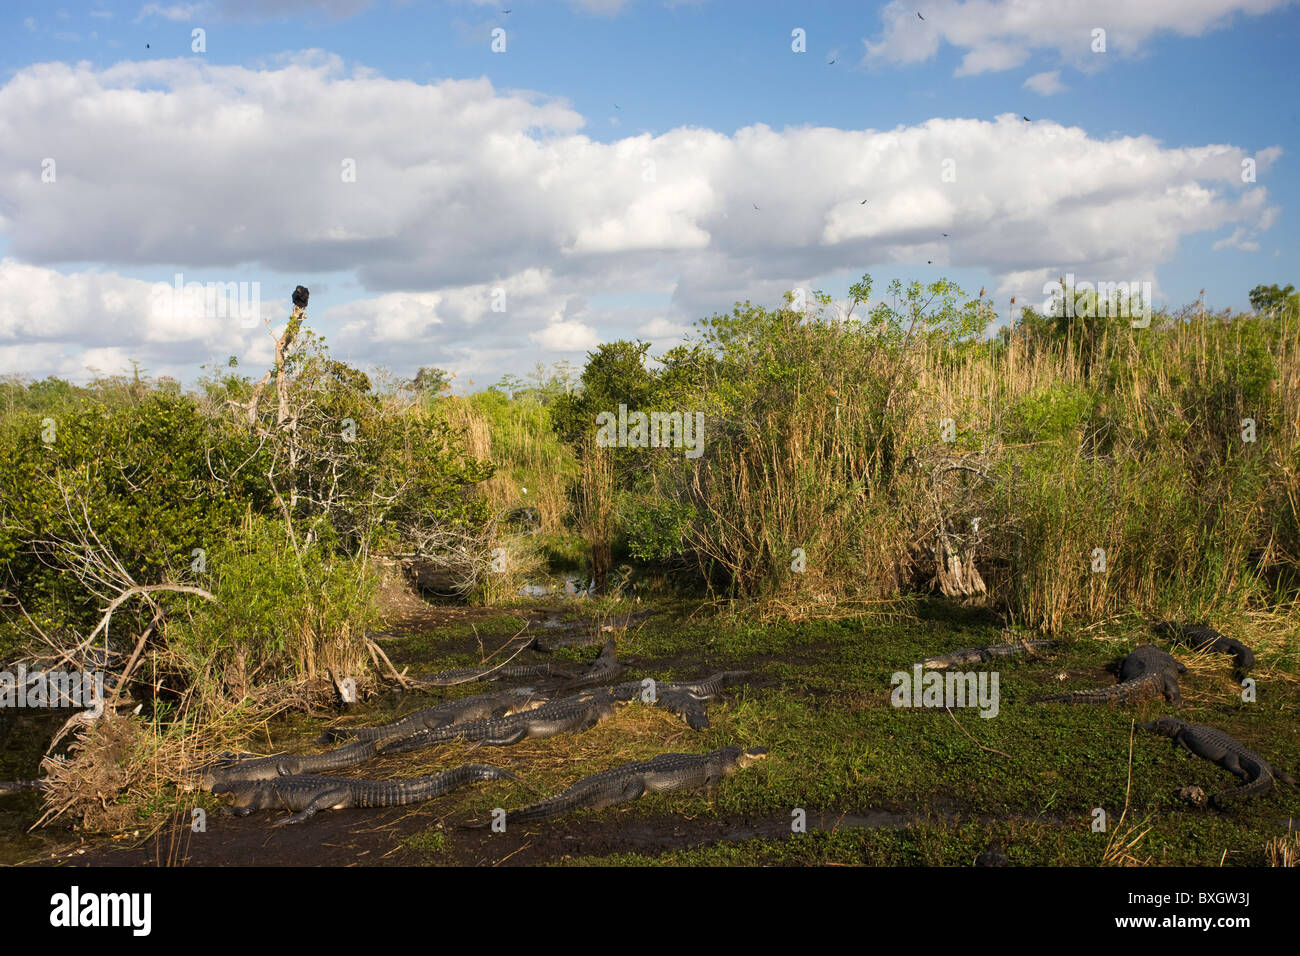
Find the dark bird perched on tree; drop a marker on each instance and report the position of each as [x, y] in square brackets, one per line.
[300, 297]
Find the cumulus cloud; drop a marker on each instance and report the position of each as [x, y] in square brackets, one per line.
[1045, 84]
[175, 12]
[1001, 34]
[243, 173]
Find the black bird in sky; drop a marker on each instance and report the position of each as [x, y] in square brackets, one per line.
[146, 46]
[945, 235]
[1025, 118]
[929, 262]
[756, 207]
[863, 203]
[918, 13]
[831, 63]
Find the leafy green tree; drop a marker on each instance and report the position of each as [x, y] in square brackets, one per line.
[1270, 300]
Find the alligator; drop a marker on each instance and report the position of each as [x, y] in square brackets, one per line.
[306, 793]
[586, 632]
[558, 716]
[21, 786]
[1148, 671]
[628, 782]
[467, 675]
[980, 655]
[478, 707]
[245, 768]
[685, 698]
[1203, 638]
[603, 669]
[1211, 743]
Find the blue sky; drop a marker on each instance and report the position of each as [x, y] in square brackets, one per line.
[599, 175]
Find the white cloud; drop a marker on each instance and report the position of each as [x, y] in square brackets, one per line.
[1001, 34]
[176, 12]
[1045, 84]
[566, 337]
[234, 173]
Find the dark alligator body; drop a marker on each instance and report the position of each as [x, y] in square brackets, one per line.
[686, 698]
[281, 765]
[584, 633]
[306, 794]
[478, 707]
[1147, 672]
[467, 675]
[1202, 638]
[1211, 743]
[605, 668]
[628, 782]
[21, 786]
[980, 655]
[568, 714]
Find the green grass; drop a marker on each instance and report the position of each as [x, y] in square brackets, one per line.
[837, 746]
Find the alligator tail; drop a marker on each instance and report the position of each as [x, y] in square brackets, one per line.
[1102, 695]
[1261, 784]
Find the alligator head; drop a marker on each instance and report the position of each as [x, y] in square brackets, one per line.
[1163, 725]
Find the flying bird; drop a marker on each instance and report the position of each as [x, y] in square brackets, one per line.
[831, 63]
[863, 203]
[1025, 118]
[507, 12]
[929, 262]
[756, 207]
[945, 235]
[146, 46]
[918, 13]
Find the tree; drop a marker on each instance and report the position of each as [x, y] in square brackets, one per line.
[1270, 300]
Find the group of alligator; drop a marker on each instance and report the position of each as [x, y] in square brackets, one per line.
[580, 699]
[295, 782]
[1150, 671]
